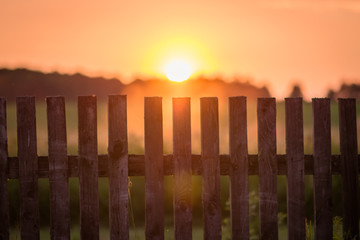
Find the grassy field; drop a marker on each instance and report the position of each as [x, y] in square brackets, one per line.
[135, 136]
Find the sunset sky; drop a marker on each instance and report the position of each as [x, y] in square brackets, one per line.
[277, 43]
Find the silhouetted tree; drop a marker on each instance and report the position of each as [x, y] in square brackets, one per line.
[296, 92]
[347, 91]
[331, 94]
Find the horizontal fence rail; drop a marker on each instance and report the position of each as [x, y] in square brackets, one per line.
[136, 165]
[118, 164]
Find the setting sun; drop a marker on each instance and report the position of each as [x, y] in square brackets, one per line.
[178, 70]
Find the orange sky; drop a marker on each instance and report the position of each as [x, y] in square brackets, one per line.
[315, 43]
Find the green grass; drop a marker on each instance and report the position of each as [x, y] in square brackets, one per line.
[197, 232]
[134, 234]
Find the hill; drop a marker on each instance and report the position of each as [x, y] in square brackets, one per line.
[24, 82]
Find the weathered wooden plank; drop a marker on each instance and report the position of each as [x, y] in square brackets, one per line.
[58, 169]
[182, 168]
[295, 168]
[211, 167]
[137, 165]
[88, 167]
[349, 174]
[28, 177]
[266, 115]
[238, 169]
[154, 169]
[4, 198]
[322, 169]
[118, 168]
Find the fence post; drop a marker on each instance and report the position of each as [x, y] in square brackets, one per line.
[211, 167]
[182, 168]
[154, 169]
[58, 169]
[322, 169]
[295, 168]
[4, 198]
[88, 167]
[28, 168]
[349, 173]
[266, 113]
[118, 168]
[239, 179]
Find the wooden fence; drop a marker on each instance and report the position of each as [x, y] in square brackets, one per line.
[117, 165]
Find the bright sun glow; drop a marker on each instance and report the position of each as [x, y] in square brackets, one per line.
[178, 70]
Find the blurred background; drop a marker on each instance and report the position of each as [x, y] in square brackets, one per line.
[274, 48]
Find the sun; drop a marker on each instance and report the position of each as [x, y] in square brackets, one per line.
[178, 70]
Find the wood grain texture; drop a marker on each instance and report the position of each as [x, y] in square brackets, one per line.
[239, 180]
[88, 167]
[268, 205]
[28, 167]
[4, 196]
[182, 168]
[322, 169]
[350, 185]
[295, 168]
[58, 169]
[154, 169]
[211, 167]
[118, 168]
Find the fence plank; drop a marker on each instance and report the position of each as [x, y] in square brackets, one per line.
[239, 180]
[266, 115]
[28, 166]
[348, 148]
[322, 169]
[154, 169]
[182, 168]
[295, 168]
[211, 167]
[4, 198]
[118, 168]
[58, 169]
[88, 167]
